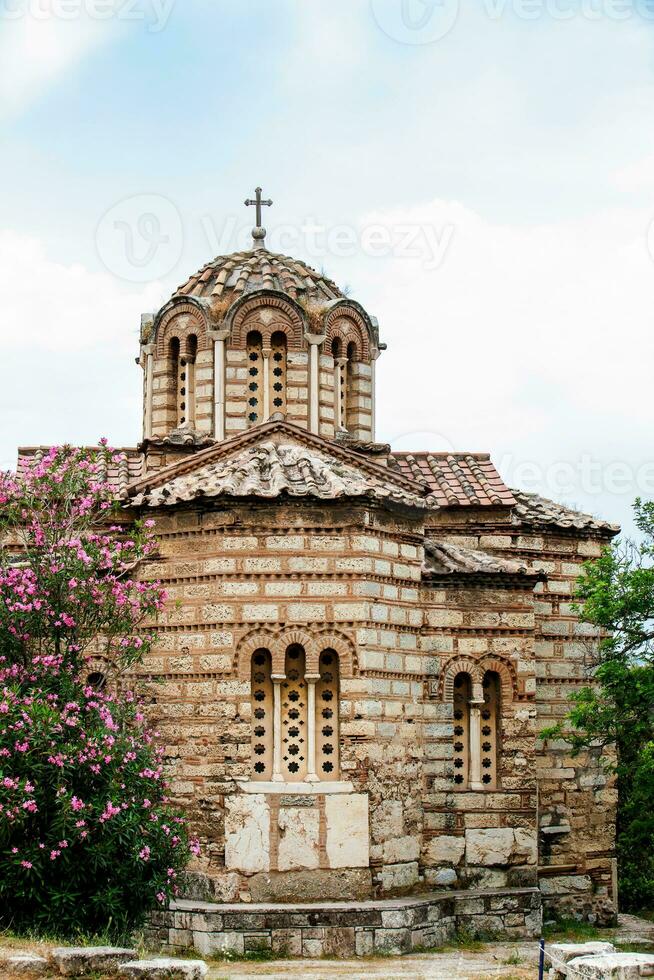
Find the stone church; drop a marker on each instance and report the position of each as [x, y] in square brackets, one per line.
[360, 646]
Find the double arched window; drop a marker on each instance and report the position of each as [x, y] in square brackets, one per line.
[295, 717]
[476, 731]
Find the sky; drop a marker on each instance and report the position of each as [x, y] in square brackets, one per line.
[478, 174]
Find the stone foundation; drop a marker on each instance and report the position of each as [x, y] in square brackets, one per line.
[345, 929]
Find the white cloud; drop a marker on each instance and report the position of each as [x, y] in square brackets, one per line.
[36, 50]
[637, 176]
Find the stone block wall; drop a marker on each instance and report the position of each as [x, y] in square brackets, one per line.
[576, 799]
[346, 929]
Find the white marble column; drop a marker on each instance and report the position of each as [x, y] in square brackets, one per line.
[311, 680]
[476, 704]
[277, 727]
[219, 337]
[314, 340]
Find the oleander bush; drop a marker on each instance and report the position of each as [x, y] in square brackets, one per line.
[88, 839]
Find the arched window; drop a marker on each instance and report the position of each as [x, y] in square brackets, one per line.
[295, 725]
[174, 372]
[262, 715]
[187, 379]
[490, 717]
[350, 407]
[327, 737]
[278, 372]
[255, 378]
[294, 716]
[461, 705]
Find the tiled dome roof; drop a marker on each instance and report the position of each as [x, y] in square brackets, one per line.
[243, 272]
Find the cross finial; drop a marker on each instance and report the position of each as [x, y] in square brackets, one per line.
[258, 232]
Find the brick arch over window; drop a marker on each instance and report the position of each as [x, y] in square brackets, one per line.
[302, 638]
[285, 318]
[460, 665]
[260, 639]
[182, 321]
[349, 326]
[506, 673]
[342, 645]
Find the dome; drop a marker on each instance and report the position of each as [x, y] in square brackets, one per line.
[244, 272]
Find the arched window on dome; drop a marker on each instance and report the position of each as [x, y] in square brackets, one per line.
[187, 381]
[174, 371]
[340, 383]
[350, 407]
[255, 407]
[277, 375]
[262, 715]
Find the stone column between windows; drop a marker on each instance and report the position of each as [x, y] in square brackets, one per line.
[219, 337]
[311, 680]
[476, 704]
[265, 353]
[148, 350]
[314, 340]
[277, 727]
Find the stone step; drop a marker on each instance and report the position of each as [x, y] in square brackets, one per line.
[165, 968]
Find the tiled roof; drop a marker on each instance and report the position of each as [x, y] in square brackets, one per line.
[243, 272]
[270, 469]
[120, 475]
[536, 511]
[457, 479]
[443, 558]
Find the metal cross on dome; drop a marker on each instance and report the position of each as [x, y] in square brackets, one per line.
[258, 203]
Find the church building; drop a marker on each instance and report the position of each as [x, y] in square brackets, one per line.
[360, 646]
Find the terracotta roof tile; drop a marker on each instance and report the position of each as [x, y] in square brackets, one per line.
[259, 269]
[446, 559]
[539, 512]
[120, 475]
[457, 479]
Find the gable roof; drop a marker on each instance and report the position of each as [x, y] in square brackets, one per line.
[456, 479]
[275, 459]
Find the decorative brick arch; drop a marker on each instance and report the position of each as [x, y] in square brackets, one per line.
[304, 639]
[259, 640]
[182, 320]
[286, 318]
[460, 665]
[343, 646]
[348, 325]
[506, 671]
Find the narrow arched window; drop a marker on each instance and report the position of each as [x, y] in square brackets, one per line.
[188, 379]
[262, 715]
[294, 715]
[255, 378]
[340, 383]
[490, 720]
[327, 735]
[350, 406]
[461, 733]
[277, 372]
[174, 361]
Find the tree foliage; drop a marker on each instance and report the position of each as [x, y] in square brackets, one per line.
[88, 839]
[616, 594]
